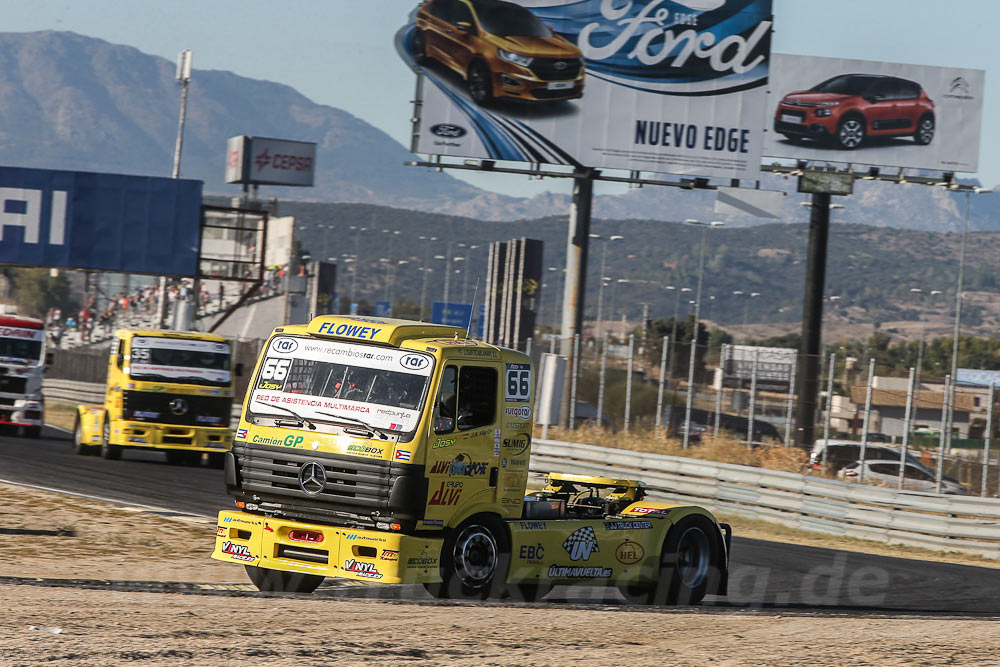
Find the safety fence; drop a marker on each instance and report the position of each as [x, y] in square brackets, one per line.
[949, 523]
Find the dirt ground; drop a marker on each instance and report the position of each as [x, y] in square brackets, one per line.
[78, 626]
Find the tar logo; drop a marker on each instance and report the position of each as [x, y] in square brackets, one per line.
[263, 160]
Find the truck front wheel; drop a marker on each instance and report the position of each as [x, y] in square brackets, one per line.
[278, 581]
[474, 560]
[690, 564]
[109, 451]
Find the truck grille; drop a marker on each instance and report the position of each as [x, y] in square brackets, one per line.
[10, 384]
[156, 407]
[555, 69]
[356, 486]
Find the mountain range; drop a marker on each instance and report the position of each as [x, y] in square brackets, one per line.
[74, 102]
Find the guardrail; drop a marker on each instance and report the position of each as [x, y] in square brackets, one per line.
[969, 524]
[951, 523]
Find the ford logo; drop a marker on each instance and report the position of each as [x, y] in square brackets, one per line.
[448, 130]
[414, 362]
[285, 345]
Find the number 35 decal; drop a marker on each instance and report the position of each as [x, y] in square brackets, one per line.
[518, 385]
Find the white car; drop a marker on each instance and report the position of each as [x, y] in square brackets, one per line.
[887, 473]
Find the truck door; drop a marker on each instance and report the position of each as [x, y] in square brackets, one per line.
[462, 457]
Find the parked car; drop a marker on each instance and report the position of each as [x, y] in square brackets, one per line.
[840, 453]
[914, 478]
[851, 107]
[501, 49]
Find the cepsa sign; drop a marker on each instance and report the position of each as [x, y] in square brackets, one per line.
[263, 161]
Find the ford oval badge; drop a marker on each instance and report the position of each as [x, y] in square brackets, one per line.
[448, 130]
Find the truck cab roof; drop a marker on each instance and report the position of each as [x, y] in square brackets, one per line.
[190, 335]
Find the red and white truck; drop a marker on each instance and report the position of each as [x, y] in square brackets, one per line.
[22, 363]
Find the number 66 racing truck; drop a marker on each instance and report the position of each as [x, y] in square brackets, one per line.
[391, 451]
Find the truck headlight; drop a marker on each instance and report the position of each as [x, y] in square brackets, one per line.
[516, 58]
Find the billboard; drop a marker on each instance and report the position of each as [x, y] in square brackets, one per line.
[675, 86]
[262, 161]
[775, 366]
[107, 222]
[874, 113]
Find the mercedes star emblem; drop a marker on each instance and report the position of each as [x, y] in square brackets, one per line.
[312, 477]
[178, 406]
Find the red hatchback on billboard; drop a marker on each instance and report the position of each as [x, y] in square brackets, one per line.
[848, 108]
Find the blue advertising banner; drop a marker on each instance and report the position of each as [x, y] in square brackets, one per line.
[383, 309]
[107, 222]
[457, 315]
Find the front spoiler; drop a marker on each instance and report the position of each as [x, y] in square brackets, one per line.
[330, 551]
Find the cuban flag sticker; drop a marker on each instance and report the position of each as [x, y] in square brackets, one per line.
[241, 434]
[402, 455]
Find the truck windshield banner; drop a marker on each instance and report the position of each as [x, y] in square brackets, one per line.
[178, 359]
[673, 86]
[327, 380]
[18, 344]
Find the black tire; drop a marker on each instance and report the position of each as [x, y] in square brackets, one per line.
[475, 560]
[217, 460]
[793, 138]
[79, 446]
[278, 581]
[480, 81]
[531, 592]
[109, 451]
[924, 133]
[691, 564]
[420, 48]
[850, 132]
[176, 457]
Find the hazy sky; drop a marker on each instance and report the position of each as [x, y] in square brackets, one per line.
[340, 52]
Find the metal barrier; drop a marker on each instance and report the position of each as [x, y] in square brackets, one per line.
[968, 524]
[951, 523]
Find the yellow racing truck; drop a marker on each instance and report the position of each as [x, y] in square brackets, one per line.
[391, 451]
[169, 391]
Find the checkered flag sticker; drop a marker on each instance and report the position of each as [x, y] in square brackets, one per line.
[581, 543]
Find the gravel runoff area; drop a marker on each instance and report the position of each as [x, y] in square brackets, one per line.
[79, 626]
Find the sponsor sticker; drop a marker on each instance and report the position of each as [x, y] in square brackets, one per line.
[362, 569]
[629, 553]
[237, 551]
[628, 525]
[571, 572]
[581, 543]
[521, 412]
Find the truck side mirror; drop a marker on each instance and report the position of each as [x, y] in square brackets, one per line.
[239, 370]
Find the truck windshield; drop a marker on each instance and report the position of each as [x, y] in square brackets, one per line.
[180, 360]
[22, 345]
[322, 380]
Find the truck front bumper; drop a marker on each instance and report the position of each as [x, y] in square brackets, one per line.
[164, 436]
[330, 551]
[23, 412]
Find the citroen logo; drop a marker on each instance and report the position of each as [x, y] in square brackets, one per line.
[312, 477]
[178, 406]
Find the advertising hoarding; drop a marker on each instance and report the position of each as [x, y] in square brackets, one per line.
[107, 222]
[263, 161]
[675, 86]
[775, 366]
[874, 113]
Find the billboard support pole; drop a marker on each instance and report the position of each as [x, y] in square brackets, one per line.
[577, 244]
[812, 319]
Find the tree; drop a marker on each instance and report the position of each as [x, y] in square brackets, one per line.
[35, 291]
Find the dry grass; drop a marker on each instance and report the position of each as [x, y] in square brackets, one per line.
[60, 414]
[721, 449]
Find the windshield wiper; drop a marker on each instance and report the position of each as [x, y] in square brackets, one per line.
[371, 429]
[302, 420]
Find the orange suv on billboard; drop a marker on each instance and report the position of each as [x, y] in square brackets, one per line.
[851, 107]
[500, 48]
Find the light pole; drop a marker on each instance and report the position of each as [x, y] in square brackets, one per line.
[694, 334]
[600, 289]
[955, 335]
[354, 276]
[425, 269]
[673, 327]
[746, 310]
[923, 335]
[465, 270]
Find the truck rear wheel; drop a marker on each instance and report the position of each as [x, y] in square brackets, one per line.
[690, 564]
[474, 560]
[279, 581]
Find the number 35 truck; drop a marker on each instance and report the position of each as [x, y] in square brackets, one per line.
[391, 451]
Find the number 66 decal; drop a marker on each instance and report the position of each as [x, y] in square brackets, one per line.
[275, 369]
[518, 384]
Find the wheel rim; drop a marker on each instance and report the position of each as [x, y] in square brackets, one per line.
[926, 130]
[107, 433]
[851, 133]
[693, 557]
[478, 83]
[78, 437]
[475, 556]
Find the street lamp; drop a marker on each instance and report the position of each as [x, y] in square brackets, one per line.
[697, 315]
[746, 310]
[600, 289]
[426, 269]
[354, 276]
